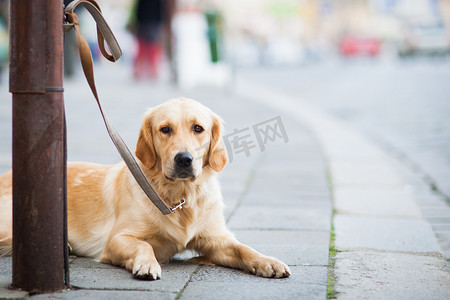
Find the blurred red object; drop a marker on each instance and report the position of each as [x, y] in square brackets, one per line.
[359, 46]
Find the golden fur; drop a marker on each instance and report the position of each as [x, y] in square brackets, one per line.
[111, 219]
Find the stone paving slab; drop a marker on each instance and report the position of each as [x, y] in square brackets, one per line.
[87, 274]
[375, 275]
[413, 235]
[281, 217]
[275, 192]
[436, 212]
[5, 280]
[375, 201]
[5, 265]
[228, 290]
[108, 295]
[6, 293]
[301, 274]
[289, 198]
[217, 283]
[292, 247]
[367, 173]
[288, 183]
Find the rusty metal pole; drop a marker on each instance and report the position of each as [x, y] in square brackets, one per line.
[36, 64]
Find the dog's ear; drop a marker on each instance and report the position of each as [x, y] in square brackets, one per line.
[217, 152]
[145, 150]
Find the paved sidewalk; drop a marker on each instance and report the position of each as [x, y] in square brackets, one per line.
[385, 247]
[277, 198]
[278, 201]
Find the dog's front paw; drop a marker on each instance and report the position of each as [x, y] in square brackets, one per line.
[146, 269]
[269, 267]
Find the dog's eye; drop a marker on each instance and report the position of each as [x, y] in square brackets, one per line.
[198, 129]
[165, 129]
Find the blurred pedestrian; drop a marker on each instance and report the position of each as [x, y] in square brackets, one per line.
[4, 37]
[146, 22]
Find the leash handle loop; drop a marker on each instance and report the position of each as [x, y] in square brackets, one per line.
[104, 33]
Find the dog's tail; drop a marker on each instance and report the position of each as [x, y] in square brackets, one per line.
[5, 244]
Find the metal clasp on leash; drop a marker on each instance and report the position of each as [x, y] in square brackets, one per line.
[178, 206]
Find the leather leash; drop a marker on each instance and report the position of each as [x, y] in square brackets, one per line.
[104, 33]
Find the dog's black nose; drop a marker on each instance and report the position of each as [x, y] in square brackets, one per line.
[184, 159]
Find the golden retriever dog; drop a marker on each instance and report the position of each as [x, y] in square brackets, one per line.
[110, 219]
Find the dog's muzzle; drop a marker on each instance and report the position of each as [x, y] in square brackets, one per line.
[183, 165]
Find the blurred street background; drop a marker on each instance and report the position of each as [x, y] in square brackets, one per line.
[382, 65]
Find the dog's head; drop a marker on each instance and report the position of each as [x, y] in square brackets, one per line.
[181, 137]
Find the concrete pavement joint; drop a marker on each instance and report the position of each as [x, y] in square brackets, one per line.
[371, 250]
[75, 288]
[247, 186]
[342, 212]
[277, 229]
[331, 276]
[307, 265]
[180, 293]
[332, 251]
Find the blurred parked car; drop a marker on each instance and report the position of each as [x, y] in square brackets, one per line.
[359, 46]
[427, 39]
